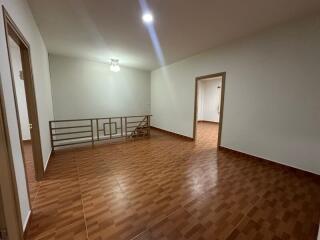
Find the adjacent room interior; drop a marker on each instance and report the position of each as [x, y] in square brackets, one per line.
[149, 120]
[208, 107]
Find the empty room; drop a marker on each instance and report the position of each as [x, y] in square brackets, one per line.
[159, 120]
[208, 107]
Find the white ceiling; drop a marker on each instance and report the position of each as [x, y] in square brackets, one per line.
[104, 29]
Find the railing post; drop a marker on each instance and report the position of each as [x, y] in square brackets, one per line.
[97, 123]
[125, 126]
[148, 119]
[110, 130]
[121, 127]
[92, 138]
[51, 137]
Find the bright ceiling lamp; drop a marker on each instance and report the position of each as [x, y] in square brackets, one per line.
[147, 17]
[114, 65]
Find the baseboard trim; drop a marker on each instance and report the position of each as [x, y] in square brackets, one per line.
[281, 165]
[173, 133]
[26, 226]
[50, 155]
[205, 121]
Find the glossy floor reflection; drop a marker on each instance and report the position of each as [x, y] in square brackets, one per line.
[166, 187]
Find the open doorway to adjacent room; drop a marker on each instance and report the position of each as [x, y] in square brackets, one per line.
[25, 124]
[209, 99]
[25, 103]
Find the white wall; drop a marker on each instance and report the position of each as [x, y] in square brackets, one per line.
[319, 234]
[87, 89]
[21, 14]
[272, 98]
[20, 89]
[209, 92]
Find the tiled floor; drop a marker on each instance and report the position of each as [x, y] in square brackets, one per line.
[166, 188]
[30, 171]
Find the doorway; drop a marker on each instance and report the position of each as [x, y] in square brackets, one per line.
[25, 104]
[208, 109]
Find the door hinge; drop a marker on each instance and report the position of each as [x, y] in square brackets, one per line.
[3, 234]
[21, 75]
[30, 126]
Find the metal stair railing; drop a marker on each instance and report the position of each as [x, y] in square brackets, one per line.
[140, 128]
[90, 130]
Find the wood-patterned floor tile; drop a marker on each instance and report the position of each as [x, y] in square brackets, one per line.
[165, 187]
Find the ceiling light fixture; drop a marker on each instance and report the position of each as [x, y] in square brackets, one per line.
[114, 65]
[147, 17]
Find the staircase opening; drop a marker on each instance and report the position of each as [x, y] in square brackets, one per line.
[93, 130]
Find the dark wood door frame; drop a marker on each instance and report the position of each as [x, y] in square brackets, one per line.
[11, 30]
[10, 214]
[223, 83]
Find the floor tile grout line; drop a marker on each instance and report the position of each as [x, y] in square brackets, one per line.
[148, 228]
[243, 218]
[161, 220]
[83, 210]
[185, 209]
